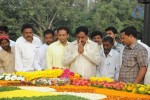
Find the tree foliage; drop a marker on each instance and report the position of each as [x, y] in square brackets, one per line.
[50, 14]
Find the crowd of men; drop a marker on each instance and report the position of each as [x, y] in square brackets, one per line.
[97, 55]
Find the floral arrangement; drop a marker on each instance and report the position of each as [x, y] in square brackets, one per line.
[71, 88]
[110, 85]
[75, 77]
[11, 77]
[29, 76]
[137, 88]
[81, 82]
[101, 79]
[51, 81]
[110, 93]
[63, 79]
[66, 73]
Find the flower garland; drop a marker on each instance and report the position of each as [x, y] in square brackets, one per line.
[40, 74]
[137, 88]
[111, 94]
[101, 79]
[71, 88]
[9, 83]
[50, 81]
[110, 85]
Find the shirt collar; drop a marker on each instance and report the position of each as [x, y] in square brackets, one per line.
[132, 46]
[59, 43]
[116, 43]
[110, 53]
[139, 41]
[45, 44]
[28, 41]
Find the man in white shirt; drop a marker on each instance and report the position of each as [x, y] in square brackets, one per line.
[40, 57]
[25, 49]
[83, 54]
[4, 31]
[110, 63]
[147, 75]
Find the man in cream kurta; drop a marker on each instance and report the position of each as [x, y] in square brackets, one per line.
[55, 50]
[83, 54]
[55, 54]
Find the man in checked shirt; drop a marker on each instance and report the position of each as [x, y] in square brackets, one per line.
[134, 58]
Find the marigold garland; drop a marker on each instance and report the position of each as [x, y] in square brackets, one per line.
[71, 88]
[9, 83]
[111, 94]
[101, 79]
[41, 74]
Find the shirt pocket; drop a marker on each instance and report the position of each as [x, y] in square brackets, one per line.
[111, 69]
[130, 62]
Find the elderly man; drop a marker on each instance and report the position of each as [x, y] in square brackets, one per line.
[7, 59]
[83, 54]
[25, 49]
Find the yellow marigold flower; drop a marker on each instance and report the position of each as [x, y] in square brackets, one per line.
[93, 79]
[38, 74]
[77, 75]
[130, 88]
[142, 89]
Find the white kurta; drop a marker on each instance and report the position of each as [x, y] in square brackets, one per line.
[84, 64]
[40, 58]
[25, 53]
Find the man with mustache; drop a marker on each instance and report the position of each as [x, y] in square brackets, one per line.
[82, 54]
[25, 49]
[40, 57]
[7, 59]
[110, 63]
[97, 36]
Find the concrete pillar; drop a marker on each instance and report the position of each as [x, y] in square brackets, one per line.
[146, 34]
